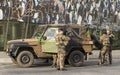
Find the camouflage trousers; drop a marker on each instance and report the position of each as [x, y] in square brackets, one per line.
[105, 55]
[60, 59]
[54, 60]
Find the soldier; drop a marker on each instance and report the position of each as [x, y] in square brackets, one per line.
[61, 42]
[106, 40]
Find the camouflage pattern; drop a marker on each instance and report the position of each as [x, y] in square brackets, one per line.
[61, 59]
[61, 42]
[106, 51]
[104, 39]
[54, 60]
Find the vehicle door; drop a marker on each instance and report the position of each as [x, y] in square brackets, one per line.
[48, 41]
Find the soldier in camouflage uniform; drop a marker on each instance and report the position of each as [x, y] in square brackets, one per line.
[61, 42]
[105, 52]
[104, 39]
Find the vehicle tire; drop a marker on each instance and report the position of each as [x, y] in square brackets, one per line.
[25, 59]
[13, 60]
[76, 58]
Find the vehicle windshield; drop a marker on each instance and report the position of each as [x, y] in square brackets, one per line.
[39, 31]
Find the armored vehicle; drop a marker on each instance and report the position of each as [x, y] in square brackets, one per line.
[42, 45]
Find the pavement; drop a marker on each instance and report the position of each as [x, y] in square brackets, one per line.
[4, 58]
[89, 67]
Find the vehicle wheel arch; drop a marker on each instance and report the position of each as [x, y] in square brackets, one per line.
[20, 49]
[76, 48]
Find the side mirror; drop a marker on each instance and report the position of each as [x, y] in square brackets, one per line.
[44, 38]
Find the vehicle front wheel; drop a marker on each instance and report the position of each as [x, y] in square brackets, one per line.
[76, 58]
[25, 59]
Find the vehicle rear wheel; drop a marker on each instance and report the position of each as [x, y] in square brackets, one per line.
[25, 59]
[76, 58]
[13, 60]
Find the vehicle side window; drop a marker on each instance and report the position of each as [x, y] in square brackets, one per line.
[51, 33]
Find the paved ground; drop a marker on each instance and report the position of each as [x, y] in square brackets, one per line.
[89, 68]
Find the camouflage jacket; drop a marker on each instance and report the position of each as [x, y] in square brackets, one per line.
[62, 41]
[105, 40]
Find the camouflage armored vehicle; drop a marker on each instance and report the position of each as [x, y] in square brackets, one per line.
[42, 45]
